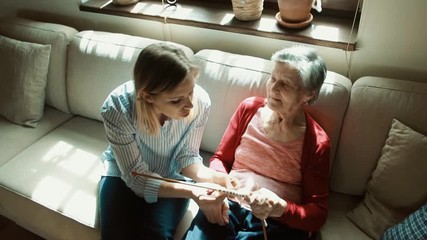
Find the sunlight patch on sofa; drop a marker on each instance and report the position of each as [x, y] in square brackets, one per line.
[250, 78]
[51, 191]
[129, 49]
[68, 180]
[83, 206]
[75, 160]
[106, 49]
[106, 46]
[101, 46]
[79, 162]
[327, 89]
[59, 149]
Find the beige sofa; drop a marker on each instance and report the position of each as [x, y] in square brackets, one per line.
[49, 174]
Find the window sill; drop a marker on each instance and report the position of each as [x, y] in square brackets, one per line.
[324, 30]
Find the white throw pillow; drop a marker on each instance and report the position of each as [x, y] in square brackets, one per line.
[398, 184]
[23, 68]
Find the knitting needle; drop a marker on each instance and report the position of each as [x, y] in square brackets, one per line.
[264, 228]
[224, 190]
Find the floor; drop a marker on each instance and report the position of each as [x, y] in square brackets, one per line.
[10, 230]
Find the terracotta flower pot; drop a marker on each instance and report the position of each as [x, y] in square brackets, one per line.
[295, 11]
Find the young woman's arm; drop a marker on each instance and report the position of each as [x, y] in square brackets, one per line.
[124, 154]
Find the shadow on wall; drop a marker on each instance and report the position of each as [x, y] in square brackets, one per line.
[49, 17]
[77, 21]
[101, 22]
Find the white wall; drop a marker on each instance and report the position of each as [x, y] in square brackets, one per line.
[391, 39]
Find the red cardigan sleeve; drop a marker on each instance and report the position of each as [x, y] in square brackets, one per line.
[312, 212]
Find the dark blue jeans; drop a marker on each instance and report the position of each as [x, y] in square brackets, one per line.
[243, 225]
[124, 215]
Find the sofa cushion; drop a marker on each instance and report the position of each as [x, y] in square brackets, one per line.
[374, 102]
[230, 78]
[42, 221]
[55, 35]
[97, 63]
[61, 171]
[15, 138]
[23, 67]
[338, 226]
[398, 184]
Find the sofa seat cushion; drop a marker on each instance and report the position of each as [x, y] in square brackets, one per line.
[15, 138]
[40, 220]
[61, 170]
[338, 226]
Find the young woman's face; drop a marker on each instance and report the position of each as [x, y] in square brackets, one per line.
[285, 94]
[178, 103]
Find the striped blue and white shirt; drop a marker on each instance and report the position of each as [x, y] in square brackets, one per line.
[176, 146]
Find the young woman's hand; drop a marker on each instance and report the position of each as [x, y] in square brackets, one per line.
[265, 203]
[201, 173]
[212, 203]
[226, 181]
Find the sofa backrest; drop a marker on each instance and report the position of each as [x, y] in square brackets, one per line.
[97, 63]
[230, 78]
[56, 35]
[374, 102]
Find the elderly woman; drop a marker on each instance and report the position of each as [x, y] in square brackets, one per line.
[279, 154]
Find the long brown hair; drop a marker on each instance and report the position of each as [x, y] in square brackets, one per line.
[160, 67]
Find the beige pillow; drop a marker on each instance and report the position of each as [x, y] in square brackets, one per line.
[23, 68]
[398, 184]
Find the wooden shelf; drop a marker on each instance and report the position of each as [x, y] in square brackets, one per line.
[328, 31]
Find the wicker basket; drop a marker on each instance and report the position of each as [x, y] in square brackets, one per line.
[247, 10]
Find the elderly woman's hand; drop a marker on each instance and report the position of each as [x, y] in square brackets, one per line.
[265, 203]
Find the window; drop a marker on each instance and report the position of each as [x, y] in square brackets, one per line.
[333, 27]
[340, 5]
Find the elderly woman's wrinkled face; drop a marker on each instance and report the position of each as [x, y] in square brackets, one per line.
[285, 93]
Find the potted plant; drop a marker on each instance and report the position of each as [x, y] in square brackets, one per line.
[296, 13]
